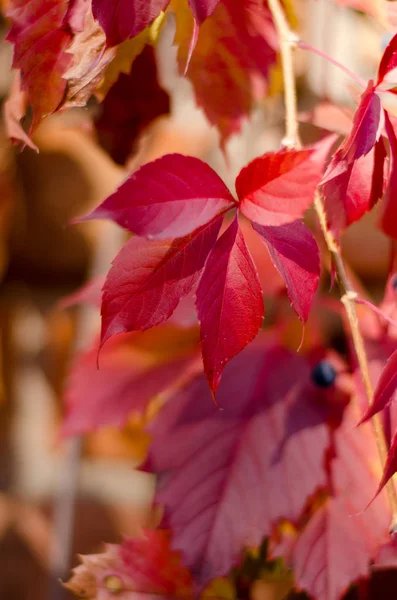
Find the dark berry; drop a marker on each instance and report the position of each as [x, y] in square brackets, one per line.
[323, 374]
[393, 282]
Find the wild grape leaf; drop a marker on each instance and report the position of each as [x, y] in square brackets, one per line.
[133, 102]
[124, 19]
[225, 478]
[184, 316]
[229, 303]
[390, 466]
[278, 187]
[90, 58]
[40, 42]
[341, 539]
[294, 253]
[169, 197]
[14, 111]
[148, 279]
[352, 193]
[60, 51]
[388, 63]
[388, 219]
[138, 568]
[368, 123]
[385, 388]
[130, 375]
[234, 51]
[272, 283]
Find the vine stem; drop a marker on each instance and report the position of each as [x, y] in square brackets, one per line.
[288, 40]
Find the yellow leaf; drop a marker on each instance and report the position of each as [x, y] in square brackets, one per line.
[126, 54]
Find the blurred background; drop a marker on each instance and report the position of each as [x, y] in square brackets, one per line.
[43, 259]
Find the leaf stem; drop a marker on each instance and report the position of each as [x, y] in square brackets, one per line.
[287, 41]
[333, 61]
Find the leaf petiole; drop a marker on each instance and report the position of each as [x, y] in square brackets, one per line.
[357, 79]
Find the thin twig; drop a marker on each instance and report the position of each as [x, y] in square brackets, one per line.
[287, 41]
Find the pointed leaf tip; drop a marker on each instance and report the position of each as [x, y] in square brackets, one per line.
[166, 198]
[125, 19]
[294, 252]
[148, 279]
[385, 389]
[229, 303]
[278, 187]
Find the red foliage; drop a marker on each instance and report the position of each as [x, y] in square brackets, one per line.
[342, 538]
[227, 477]
[155, 202]
[284, 449]
[148, 279]
[293, 251]
[133, 102]
[138, 568]
[229, 303]
[124, 19]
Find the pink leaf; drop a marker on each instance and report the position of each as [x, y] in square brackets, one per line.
[202, 8]
[126, 381]
[140, 568]
[278, 187]
[352, 193]
[124, 19]
[225, 478]
[367, 126]
[388, 220]
[390, 466]
[40, 37]
[229, 303]
[385, 389]
[148, 279]
[232, 59]
[295, 255]
[388, 63]
[14, 111]
[341, 539]
[131, 104]
[169, 197]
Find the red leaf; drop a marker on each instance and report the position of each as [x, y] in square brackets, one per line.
[294, 253]
[229, 303]
[388, 220]
[141, 567]
[230, 65]
[127, 380]
[39, 51]
[14, 111]
[60, 51]
[341, 539]
[278, 187]
[225, 478]
[388, 63]
[169, 197]
[352, 193]
[367, 126]
[385, 389]
[130, 105]
[148, 279]
[202, 8]
[124, 19]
